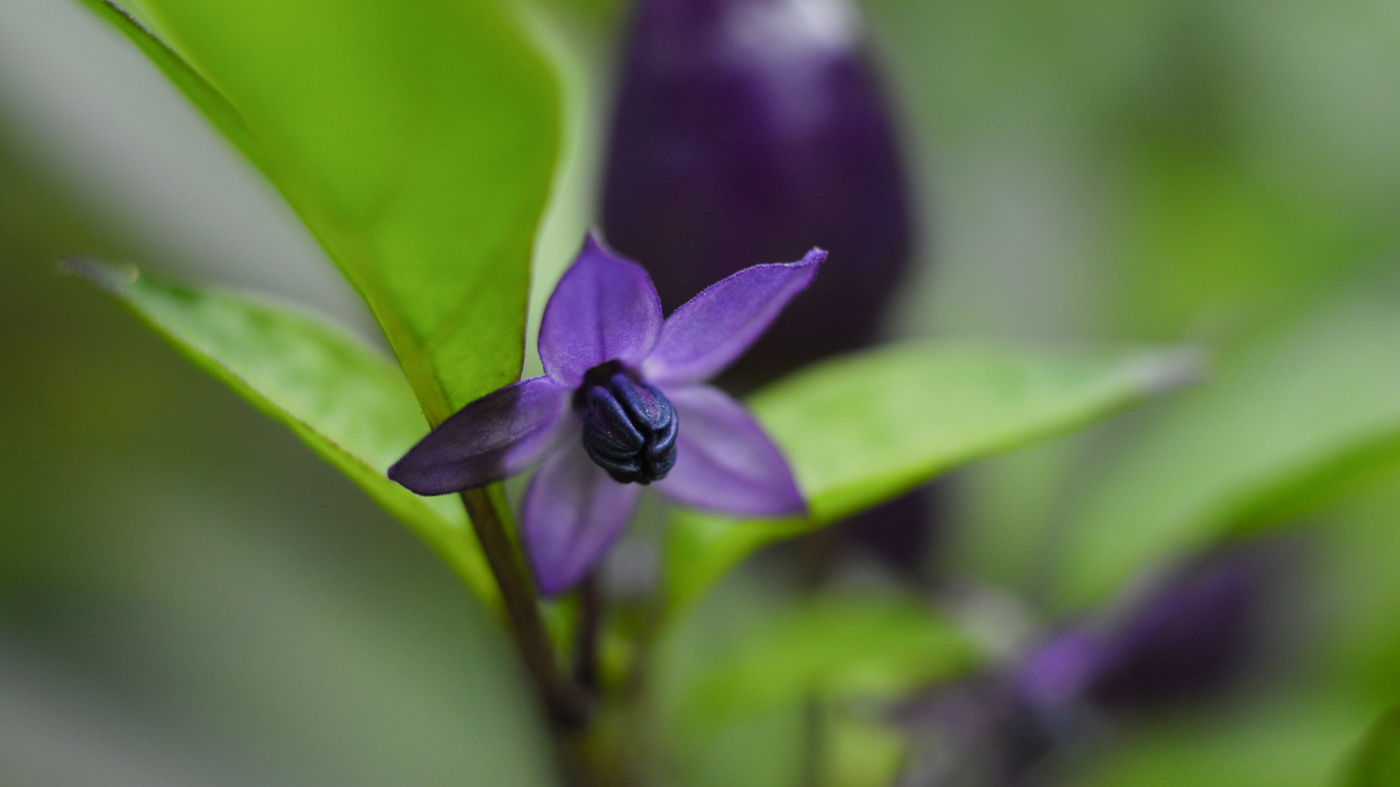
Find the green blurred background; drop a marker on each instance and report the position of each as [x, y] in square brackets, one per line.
[188, 596]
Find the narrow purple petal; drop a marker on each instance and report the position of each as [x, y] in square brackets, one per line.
[572, 513]
[724, 461]
[605, 308]
[498, 435]
[718, 325]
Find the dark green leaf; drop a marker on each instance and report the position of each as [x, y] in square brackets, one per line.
[1282, 741]
[416, 140]
[347, 402]
[1287, 421]
[1377, 761]
[862, 429]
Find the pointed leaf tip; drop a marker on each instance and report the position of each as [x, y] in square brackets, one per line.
[105, 275]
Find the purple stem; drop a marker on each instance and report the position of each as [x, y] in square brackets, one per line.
[566, 703]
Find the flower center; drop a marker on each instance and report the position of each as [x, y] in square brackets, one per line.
[629, 427]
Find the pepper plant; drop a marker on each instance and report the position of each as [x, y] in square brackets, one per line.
[424, 146]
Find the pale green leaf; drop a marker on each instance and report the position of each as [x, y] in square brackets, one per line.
[862, 429]
[347, 402]
[416, 140]
[830, 648]
[1285, 422]
[859, 752]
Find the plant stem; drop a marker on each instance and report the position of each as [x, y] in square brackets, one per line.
[566, 703]
[590, 620]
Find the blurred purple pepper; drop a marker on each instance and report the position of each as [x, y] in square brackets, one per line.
[747, 131]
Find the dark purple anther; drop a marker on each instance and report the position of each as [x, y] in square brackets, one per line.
[629, 428]
[745, 132]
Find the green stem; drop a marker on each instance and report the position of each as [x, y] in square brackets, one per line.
[814, 743]
[567, 705]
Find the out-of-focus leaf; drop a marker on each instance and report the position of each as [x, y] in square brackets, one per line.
[861, 753]
[1377, 762]
[828, 648]
[1288, 421]
[1285, 742]
[765, 750]
[210, 101]
[416, 140]
[348, 403]
[861, 429]
[1356, 550]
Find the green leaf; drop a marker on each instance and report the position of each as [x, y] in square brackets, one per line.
[416, 140]
[351, 405]
[1289, 420]
[860, 752]
[1377, 760]
[862, 429]
[1290, 740]
[210, 101]
[830, 648]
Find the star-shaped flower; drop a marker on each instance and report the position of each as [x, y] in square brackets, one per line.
[621, 404]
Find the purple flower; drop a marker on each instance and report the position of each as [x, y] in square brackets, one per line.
[747, 130]
[621, 404]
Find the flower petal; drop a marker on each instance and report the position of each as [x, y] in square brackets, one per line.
[605, 308]
[496, 436]
[572, 513]
[724, 460]
[718, 325]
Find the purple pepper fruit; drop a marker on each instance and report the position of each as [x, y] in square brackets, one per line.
[747, 131]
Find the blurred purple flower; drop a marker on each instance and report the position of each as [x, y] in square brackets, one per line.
[746, 130]
[1002, 726]
[1182, 640]
[607, 413]
[1057, 673]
